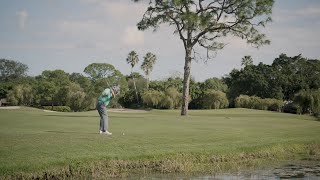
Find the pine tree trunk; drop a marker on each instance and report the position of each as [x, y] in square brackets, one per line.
[186, 82]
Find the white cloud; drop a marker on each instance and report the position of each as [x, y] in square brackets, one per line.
[133, 37]
[125, 11]
[119, 10]
[23, 18]
[107, 30]
[87, 34]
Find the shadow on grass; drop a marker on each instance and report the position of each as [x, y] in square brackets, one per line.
[70, 132]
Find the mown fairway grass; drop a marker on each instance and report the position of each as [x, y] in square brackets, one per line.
[35, 141]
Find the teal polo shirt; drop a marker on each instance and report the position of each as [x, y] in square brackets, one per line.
[106, 96]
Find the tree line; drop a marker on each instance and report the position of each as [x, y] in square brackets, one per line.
[289, 84]
[292, 80]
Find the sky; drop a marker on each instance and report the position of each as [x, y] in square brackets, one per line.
[70, 35]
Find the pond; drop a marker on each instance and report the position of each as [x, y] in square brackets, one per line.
[309, 171]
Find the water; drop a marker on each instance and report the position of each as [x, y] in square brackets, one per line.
[289, 171]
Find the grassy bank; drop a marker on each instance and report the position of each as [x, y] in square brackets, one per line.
[37, 143]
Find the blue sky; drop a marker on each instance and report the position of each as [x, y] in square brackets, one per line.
[69, 35]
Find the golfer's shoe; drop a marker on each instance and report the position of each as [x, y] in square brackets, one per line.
[105, 133]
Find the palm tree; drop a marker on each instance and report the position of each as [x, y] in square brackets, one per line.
[147, 65]
[133, 59]
[246, 61]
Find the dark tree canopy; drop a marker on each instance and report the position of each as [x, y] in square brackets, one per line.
[97, 71]
[10, 69]
[11, 73]
[281, 80]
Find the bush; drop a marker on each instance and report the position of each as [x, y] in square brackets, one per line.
[254, 102]
[171, 99]
[75, 99]
[90, 102]
[57, 108]
[215, 100]
[308, 101]
[129, 100]
[304, 101]
[275, 105]
[175, 98]
[166, 102]
[152, 98]
[21, 94]
[316, 103]
[243, 101]
[290, 107]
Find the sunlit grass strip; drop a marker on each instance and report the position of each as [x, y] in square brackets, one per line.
[184, 163]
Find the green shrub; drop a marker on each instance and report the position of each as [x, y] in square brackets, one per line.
[57, 108]
[316, 103]
[304, 101]
[308, 101]
[170, 99]
[243, 101]
[275, 105]
[267, 103]
[152, 98]
[254, 102]
[290, 107]
[166, 102]
[90, 102]
[215, 100]
[129, 99]
[21, 94]
[175, 98]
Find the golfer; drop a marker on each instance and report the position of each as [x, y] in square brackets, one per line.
[103, 101]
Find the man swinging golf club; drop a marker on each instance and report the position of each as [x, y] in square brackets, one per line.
[103, 100]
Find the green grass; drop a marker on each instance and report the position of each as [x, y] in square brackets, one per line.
[33, 141]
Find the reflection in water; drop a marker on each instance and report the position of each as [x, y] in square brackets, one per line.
[296, 172]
